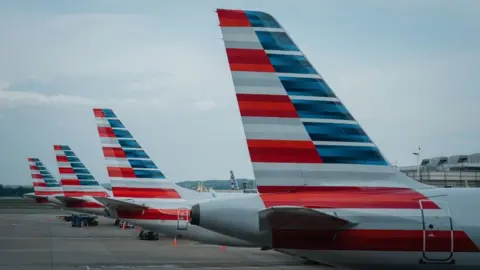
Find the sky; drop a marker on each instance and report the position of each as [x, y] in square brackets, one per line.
[406, 70]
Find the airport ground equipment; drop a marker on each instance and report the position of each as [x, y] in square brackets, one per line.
[148, 235]
[82, 220]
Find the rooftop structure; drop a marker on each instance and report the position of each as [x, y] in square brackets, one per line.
[453, 171]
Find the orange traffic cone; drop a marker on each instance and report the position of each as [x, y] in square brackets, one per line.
[123, 227]
[175, 241]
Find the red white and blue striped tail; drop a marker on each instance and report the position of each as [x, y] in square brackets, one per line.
[131, 171]
[299, 133]
[76, 179]
[44, 184]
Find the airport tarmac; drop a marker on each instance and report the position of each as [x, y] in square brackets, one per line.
[34, 239]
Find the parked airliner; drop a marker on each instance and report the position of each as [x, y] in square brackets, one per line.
[76, 187]
[142, 194]
[326, 192]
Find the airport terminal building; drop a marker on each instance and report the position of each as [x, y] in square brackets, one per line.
[453, 171]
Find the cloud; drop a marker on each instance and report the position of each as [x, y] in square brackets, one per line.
[32, 98]
[10, 98]
[103, 45]
[96, 59]
[204, 105]
[13, 98]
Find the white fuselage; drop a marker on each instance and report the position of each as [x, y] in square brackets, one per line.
[383, 238]
[172, 220]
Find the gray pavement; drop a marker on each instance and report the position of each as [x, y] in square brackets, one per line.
[30, 240]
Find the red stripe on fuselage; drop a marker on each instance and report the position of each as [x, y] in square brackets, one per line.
[283, 151]
[371, 240]
[149, 214]
[235, 18]
[344, 197]
[249, 60]
[258, 105]
[371, 190]
[159, 193]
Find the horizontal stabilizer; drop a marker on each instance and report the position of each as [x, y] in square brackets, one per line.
[122, 205]
[300, 218]
[33, 197]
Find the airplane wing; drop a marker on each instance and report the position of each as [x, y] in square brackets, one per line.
[300, 218]
[121, 204]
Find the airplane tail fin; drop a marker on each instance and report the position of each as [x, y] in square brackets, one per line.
[131, 171]
[233, 181]
[299, 133]
[75, 178]
[44, 184]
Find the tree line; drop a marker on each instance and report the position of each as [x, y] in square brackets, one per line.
[14, 191]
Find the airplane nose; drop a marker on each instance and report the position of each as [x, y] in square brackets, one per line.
[195, 215]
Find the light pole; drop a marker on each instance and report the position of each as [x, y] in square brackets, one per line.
[418, 161]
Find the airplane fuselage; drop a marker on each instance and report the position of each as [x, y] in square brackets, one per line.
[172, 219]
[441, 232]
